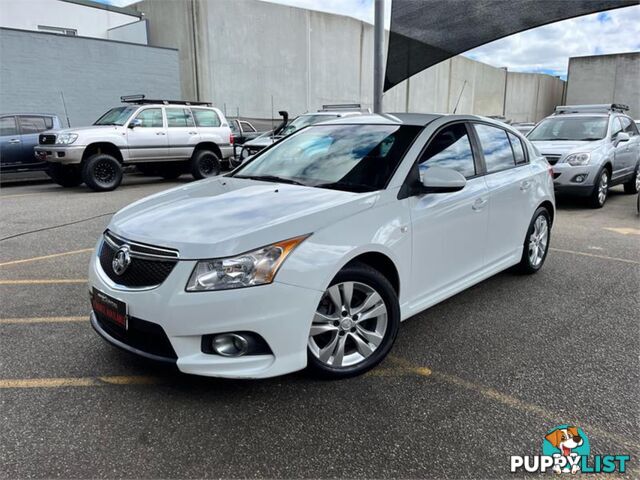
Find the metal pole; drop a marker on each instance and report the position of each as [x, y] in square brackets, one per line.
[378, 55]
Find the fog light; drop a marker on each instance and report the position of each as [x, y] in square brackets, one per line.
[579, 178]
[230, 345]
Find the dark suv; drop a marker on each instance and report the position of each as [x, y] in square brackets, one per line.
[18, 135]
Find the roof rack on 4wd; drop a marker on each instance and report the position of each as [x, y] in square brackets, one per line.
[141, 100]
[598, 108]
[350, 107]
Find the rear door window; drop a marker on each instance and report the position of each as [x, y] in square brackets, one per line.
[496, 148]
[31, 124]
[518, 149]
[179, 117]
[8, 126]
[206, 118]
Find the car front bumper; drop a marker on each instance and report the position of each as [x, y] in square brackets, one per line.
[574, 180]
[64, 154]
[279, 313]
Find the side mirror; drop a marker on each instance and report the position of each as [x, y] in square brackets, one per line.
[136, 122]
[622, 137]
[442, 180]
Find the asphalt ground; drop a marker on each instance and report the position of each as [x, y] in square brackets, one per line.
[470, 382]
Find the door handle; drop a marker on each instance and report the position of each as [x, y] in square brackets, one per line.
[14, 140]
[160, 133]
[525, 185]
[479, 204]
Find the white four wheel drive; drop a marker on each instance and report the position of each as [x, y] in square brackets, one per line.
[160, 137]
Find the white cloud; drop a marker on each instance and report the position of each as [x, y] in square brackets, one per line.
[547, 49]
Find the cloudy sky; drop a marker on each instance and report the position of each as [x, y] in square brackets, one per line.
[544, 49]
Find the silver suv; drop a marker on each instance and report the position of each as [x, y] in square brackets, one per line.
[591, 148]
[161, 137]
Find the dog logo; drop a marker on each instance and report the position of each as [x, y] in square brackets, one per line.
[121, 260]
[566, 441]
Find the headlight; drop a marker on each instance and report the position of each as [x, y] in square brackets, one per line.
[258, 267]
[578, 159]
[66, 138]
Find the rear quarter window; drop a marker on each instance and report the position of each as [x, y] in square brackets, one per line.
[206, 118]
[518, 149]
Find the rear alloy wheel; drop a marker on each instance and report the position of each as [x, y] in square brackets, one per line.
[633, 185]
[536, 243]
[65, 175]
[205, 163]
[355, 323]
[600, 190]
[102, 172]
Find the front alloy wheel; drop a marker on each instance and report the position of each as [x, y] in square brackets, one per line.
[355, 323]
[601, 190]
[538, 241]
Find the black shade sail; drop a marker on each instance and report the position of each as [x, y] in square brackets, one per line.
[426, 32]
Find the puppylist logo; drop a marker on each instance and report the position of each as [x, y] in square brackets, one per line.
[566, 449]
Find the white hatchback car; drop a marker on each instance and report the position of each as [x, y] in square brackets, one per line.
[315, 250]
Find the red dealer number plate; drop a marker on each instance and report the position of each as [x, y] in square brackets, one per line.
[110, 308]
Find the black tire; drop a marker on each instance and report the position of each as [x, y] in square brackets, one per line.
[633, 185]
[65, 175]
[102, 172]
[527, 265]
[204, 164]
[364, 275]
[595, 199]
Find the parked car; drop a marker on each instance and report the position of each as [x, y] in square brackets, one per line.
[328, 112]
[161, 137]
[18, 135]
[523, 127]
[242, 131]
[591, 148]
[312, 252]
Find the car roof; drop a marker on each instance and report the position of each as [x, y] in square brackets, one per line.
[416, 119]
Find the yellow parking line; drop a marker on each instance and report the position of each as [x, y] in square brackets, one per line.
[78, 382]
[52, 281]
[603, 257]
[2, 197]
[513, 402]
[45, 257]
[10, 321]
[624, 231]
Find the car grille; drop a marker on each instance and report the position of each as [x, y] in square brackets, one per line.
[149, 266]
[47, 139]
[142, 335]
[552, 159]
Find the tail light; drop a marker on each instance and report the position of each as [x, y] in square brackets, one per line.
[231, 139]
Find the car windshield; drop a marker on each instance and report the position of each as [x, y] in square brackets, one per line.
[354, 158]
[304, 120]
[116, 116]
[570, 128]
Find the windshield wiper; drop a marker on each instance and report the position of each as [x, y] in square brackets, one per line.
[271, 178]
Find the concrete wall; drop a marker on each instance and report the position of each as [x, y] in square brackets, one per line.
[605, 79]
[92, 74]
[88, 21]
[243, 53]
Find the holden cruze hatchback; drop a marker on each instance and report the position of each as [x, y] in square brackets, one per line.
[314, 251]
